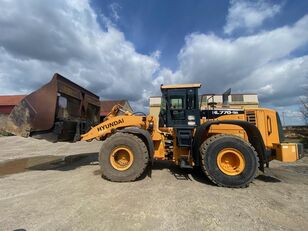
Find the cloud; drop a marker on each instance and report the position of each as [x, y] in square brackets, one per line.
[249, 15]
[263, 63]
[290, 115]
[115, 7]
[267, 89]
[38, 39]
[256, 63]
[281, 82]
[64, 36]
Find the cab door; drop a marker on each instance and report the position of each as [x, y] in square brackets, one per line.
[176, 106]
[183, 108]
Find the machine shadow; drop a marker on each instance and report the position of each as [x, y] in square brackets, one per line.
[75, 161]
[178, 173]
[187, 174]
[68, 162]
[266, 178]
[47, 162]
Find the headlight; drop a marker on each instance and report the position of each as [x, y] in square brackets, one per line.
[191, 117]
[191, 123]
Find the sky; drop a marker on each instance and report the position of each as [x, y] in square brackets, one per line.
[126, 49]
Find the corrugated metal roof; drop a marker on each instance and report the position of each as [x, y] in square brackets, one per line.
[10, 100]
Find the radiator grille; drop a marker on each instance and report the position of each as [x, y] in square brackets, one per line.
[251, 117]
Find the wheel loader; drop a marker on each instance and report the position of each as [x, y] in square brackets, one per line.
[229, 145]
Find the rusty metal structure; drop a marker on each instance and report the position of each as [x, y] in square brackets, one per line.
[58, 111]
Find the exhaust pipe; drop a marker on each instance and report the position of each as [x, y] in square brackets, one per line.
[58, 111]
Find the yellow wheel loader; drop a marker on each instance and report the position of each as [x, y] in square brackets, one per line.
[229, 145]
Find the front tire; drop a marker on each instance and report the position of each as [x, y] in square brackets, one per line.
[229, 161]
[123, 157]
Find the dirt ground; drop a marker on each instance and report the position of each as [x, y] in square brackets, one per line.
[69, 194]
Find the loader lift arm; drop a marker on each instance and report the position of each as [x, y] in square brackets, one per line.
[105, 128]
[114, 121]
[116, 110]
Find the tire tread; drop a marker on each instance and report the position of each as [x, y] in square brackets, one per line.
[204, 153]
[144, 151]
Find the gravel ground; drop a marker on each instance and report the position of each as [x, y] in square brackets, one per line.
[69, 194]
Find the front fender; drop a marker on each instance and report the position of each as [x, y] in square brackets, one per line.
[144, 135]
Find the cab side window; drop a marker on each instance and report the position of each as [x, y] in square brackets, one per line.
[177, 106]
[176, 103]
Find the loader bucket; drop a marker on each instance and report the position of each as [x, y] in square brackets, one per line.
[59, 111]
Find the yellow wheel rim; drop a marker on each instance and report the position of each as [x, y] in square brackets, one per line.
[231, 161]
[121, 158]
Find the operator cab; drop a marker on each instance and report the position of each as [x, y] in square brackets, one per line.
[180, 110]
[179, 106]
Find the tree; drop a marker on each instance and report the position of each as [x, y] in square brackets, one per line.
[304, 106]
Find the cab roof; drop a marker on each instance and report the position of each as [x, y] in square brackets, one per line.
[194, 85]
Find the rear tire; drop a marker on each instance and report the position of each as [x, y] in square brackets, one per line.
[229, 161]
[123, 157]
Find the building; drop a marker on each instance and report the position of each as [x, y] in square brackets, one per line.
[155, 105]
[208, 101]
[8, 102]
[237, 101]
[107, 105]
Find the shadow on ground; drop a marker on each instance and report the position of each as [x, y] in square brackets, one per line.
[186, 174]
[48, 162]
[67, 163]
[266, 178]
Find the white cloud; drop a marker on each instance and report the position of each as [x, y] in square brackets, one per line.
[64, 36]
[261, 63]
[249, 15]
[290, 115]
[156, 54]
[267, 89]
[245, 63]
[115, 7]
[38, 39]
[281, 82]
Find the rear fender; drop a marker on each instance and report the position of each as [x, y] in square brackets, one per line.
[253, 133]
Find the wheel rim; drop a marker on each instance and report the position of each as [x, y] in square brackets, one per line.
[231, 161]
[121, 158]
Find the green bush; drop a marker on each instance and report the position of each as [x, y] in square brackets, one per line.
[304, 141]
[4, 133]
